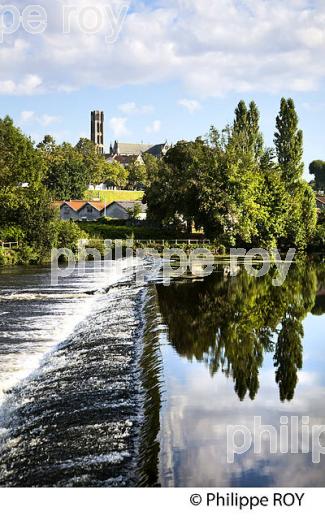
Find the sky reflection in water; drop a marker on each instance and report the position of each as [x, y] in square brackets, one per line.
[233, 349]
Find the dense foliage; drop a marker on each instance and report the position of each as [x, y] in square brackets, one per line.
[26, 212]
[235, 188]
[227, 184]
[317, 169]
[69, 169]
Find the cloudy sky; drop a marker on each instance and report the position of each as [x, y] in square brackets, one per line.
[161, 69]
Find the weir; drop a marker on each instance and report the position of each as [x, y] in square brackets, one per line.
[72, 421]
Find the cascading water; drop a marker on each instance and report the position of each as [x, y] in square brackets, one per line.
[72, 420]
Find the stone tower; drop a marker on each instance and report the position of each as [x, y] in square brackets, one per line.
[97, 130]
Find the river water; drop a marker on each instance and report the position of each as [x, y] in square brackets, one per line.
[105, 381]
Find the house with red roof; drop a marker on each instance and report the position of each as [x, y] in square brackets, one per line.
[94, 210]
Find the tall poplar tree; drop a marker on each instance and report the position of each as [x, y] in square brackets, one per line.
[301, 216]
[247, 127]
[288, 142]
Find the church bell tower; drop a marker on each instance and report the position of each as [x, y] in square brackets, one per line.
[97, 130]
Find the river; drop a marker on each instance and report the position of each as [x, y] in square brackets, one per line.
[105, 381]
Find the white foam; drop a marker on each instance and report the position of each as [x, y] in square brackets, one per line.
[36, 335]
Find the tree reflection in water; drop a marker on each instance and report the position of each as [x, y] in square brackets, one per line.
[228, 323]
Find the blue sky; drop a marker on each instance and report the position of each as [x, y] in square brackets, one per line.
[164, 70]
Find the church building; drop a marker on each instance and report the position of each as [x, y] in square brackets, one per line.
[124, 153]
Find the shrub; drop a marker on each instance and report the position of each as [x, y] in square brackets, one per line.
[318, 243]
[66, 234]
[8, 257]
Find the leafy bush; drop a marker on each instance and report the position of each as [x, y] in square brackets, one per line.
[8, 257]
[28, 255]
[11, 234]
[114, 232]
[318, 243]
[66, 234]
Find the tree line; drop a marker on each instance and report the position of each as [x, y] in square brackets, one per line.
[234, 187]
[229, 184]
[33, 176]
[71, 169]
[26, 203]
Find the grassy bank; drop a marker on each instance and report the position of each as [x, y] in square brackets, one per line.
[113, 196]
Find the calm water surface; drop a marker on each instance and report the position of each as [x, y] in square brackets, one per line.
[136, 384]
[230, 349]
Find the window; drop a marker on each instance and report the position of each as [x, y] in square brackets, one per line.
[89, 209]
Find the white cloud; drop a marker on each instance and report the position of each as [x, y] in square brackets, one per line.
[190, 104]
[28, 116]
[29, 84]
[131, 108]
[313, 106]
[118, 126]
[211, 47]
[47, 120]
[154, 128]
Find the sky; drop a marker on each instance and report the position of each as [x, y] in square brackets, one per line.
[161, 69]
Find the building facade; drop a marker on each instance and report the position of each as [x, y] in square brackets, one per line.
[93, 210]
[124, 210]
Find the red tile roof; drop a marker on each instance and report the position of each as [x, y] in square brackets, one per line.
[77, 205]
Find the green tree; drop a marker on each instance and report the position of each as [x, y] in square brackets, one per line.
[48, 145]
[94, 162]
[24, 201]
[115, 174]
[247, 126]
[288, 142]
[234, 188]
[301, 216]
[137, 176]
[176, 195]
[152, 165]
[317, 169]
[68, 171]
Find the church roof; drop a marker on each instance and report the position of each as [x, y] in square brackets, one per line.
[133, 149]
[140, 148]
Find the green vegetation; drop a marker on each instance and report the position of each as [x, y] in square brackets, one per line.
[114, 195]
[140, 176]
[228, 185]
[317, 169]
[236, 189]
[70, 170]
[318, 243]
[110, 231]
[26, 213]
